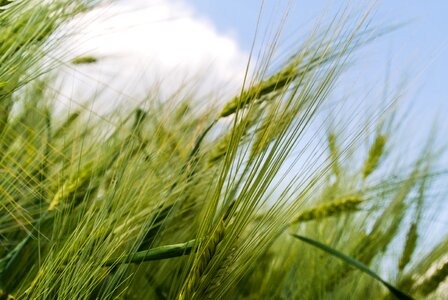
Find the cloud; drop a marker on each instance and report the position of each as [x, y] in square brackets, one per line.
[142, 44]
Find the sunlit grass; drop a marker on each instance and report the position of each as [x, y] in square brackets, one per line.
[181, 202]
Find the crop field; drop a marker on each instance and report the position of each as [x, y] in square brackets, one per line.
[278, 191]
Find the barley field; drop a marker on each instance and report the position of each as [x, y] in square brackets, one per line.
[278, 191]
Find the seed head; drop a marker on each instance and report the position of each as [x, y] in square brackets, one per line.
[375, 153]
[348, 204]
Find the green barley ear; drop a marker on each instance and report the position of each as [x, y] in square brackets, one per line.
[412, 235]
[200, 267]
[268, 131]
[276, 122]
[26, 27]
[411, 243]
[375, 153]
[84, 60]
[333, 208]
[71, 119]
[303, 63]
[432, 283]
[240, 131]
[25, 37]
[276, 82]
[140, 116]
[334, 153]
[182, 110]
[77, 187]
[220, 150]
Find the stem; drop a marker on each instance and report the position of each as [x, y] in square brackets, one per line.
[163, 252]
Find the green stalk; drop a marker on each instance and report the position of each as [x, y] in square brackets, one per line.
[162, 252]
[355, 263]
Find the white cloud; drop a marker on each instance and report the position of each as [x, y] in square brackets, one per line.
[151, 43]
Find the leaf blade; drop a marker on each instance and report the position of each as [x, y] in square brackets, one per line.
[158, 253]
[355, 263]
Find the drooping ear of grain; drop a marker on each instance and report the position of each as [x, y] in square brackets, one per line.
[267, 133]
[297, 67]
[238, 132]
[375, 153]
[274, 125]
[75, 188]
[411, 243]
[276, 82]
[333, 208]
[334, 153]
[66, 124]
[432, 283]
[199, 269]
[84, 60]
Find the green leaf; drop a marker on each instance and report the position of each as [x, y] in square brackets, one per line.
[355, 263]
[163, 252]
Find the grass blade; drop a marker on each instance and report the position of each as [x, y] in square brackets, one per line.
[163, 252]
[355, 263]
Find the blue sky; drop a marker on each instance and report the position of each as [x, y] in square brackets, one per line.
[418, 50]
[193, 32]
[416, 53]
[144, 42]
